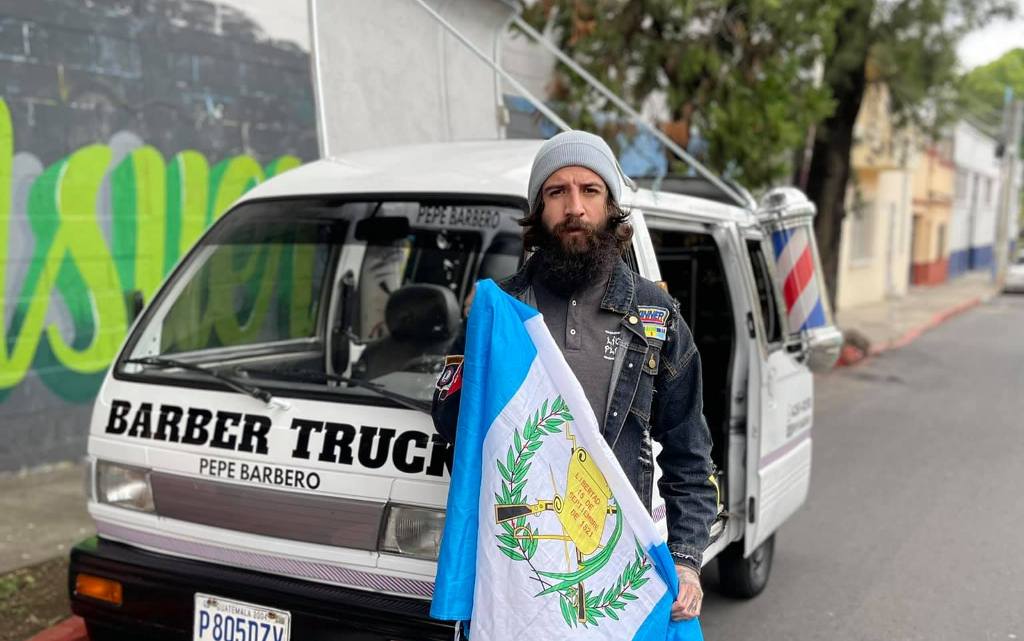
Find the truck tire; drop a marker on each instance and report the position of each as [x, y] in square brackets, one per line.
[745, 578]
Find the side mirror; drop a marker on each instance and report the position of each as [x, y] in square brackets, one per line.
[823, 347]
[135, 303]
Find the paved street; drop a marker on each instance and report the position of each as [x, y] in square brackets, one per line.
[913, 527]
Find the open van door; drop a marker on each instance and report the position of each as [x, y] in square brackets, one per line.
[780, 409]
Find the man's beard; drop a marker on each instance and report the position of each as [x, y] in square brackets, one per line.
[568, 261]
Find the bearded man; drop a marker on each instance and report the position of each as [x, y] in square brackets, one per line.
[622, 336]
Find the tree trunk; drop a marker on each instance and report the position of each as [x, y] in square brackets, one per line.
[829, 173]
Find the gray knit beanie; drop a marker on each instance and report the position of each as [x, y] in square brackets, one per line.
[574, 149]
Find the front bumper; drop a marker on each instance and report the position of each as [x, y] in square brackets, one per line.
[159, 591]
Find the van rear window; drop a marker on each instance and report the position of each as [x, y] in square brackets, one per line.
[317, 295]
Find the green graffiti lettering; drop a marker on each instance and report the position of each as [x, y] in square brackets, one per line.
[157, 212]
[188, 191]
[232, 178]
[81, 249]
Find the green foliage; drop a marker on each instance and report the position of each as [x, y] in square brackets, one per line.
[981, 90]
[740, 71]
[913, 47]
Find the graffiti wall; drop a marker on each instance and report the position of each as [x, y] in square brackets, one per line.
[126, 128]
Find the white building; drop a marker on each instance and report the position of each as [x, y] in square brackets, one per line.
[976, 199]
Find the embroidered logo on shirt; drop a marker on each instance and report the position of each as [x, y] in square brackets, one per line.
[654, 320]
[612, 340]
[450, 380]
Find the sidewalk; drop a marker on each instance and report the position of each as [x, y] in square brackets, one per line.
[876, 327]
[42, 514]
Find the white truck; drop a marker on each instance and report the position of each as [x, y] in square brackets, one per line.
[262, 464]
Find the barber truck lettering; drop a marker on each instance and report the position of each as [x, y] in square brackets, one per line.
[367, 447]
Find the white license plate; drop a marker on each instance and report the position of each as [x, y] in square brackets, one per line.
[220, 619]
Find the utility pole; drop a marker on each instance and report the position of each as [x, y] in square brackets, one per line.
[1013, 121]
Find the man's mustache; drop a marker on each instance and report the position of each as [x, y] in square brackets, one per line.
[573, 224]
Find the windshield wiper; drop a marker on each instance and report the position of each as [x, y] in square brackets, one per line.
[311, 375]
[232, 382]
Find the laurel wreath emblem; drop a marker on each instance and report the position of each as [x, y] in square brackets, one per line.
[608, 602]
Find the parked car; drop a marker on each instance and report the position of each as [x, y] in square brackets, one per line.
[1015, 276]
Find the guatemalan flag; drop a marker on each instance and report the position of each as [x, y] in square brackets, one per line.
[544, 537]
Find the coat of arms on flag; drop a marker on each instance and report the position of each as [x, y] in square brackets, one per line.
[544, 535]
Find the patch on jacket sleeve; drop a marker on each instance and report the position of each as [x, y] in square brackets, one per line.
[655, 321]
[450, 380]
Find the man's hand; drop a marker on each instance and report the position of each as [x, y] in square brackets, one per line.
[687, 604]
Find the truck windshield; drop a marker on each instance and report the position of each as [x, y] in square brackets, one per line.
[318, 296]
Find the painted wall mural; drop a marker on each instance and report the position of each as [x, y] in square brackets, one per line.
[158, 209]
[125, 131]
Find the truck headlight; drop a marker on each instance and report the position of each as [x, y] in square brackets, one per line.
[124, 486]
[412, 531]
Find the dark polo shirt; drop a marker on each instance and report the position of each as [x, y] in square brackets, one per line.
[588, 336]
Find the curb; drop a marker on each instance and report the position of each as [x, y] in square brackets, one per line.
[932, 323]
[71, 629]
[851, 356]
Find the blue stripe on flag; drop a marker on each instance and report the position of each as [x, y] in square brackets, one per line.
[665, 566]
[816, 318]
[496, 318]
[658, 626]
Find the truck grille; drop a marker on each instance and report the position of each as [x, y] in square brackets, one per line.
[332, 521]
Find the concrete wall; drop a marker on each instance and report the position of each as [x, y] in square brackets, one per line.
[126, 128]
[885, 270]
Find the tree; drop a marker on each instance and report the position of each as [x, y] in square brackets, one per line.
[739, 71]
[911, 45]
[982, 89]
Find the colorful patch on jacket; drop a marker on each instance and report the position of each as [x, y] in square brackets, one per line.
[655, 321]
[450, 380]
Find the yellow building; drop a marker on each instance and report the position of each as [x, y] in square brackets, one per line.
[874, 255]
[933, 182]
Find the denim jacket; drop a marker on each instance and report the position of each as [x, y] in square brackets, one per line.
[656, 393]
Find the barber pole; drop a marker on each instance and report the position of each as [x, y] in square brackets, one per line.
[794, 263]
[788, 217]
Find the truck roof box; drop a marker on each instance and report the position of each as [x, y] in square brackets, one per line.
[388, 73]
